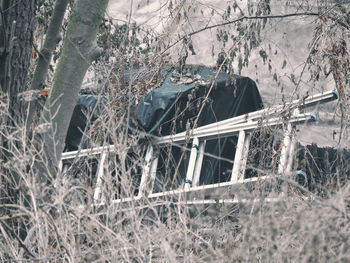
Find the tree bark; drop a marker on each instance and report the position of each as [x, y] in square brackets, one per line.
[79, 50]
[16, 32]
[51, 40]
[17, 21]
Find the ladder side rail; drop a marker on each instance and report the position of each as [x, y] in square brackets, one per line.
[199, 162]
[310, 101]
[235, 200]
[227, 131]
[206, 190]
[191, 163]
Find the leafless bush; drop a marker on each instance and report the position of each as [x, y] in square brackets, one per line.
[69, 225]
[64, 219]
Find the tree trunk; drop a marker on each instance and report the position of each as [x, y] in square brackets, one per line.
[51, 40]
[16, 32]
[17, 21]
[79, 50]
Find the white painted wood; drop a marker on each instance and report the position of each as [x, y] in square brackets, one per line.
[191, 163]
[199, 162]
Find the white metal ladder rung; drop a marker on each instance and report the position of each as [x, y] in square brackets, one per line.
[286, 149]
[192, 163]
[291, 154]
[60, 165]
[145, 169]
[241, 156]
[149, 171]
[198, 166]
[152, 174]
[97, 192]
[292, 144]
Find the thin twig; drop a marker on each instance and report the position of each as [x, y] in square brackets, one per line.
[239, 20]
[9, 229]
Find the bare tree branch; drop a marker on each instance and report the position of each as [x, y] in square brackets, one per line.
[239, 20]
[9, 229]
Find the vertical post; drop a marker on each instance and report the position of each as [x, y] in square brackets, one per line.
[146, 170]
[97, 193]
[199, 162]
[191, 163]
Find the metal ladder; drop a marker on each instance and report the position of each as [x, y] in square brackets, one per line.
[241, 126]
